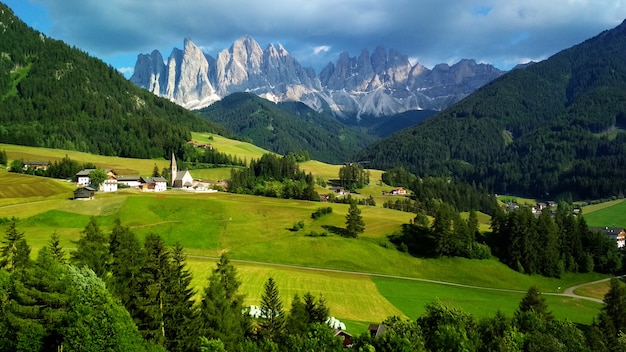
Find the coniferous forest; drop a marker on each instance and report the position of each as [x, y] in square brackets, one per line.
[552, 129]
[116, 293]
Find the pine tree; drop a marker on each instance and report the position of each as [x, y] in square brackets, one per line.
[54, 245]
[615, 304]
[179, 314]
[354, 221]
[272, 321]
[127, 260]
[221, 309]
[9, 248]
[155, 171]
[298, 318]
[91, 250]
[153, 283]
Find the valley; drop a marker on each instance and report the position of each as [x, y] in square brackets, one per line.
[255, 231]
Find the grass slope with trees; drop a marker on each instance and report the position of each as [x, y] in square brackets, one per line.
[287, 127]
[554, 128]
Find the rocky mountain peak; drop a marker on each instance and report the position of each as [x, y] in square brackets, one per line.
[383, 82]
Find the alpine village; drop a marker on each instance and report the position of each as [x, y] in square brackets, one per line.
[132, 222]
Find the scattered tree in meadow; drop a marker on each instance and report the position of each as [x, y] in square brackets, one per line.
[54, 245]
[354, 221]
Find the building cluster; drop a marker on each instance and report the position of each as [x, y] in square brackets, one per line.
[114, 181]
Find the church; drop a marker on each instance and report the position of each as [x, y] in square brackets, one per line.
[179, 179]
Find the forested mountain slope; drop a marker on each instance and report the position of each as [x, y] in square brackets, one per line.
[552, 128]
[52, 95]
[287, 127]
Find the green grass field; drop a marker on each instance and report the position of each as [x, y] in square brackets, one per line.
[609, 214]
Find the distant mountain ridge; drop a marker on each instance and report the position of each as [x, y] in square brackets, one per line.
[383, 83]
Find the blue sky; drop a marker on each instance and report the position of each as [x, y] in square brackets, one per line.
[503, 33]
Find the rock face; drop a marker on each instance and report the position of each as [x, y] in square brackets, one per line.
[382, 83]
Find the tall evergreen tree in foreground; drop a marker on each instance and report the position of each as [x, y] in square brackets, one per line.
[127, 259]
[221, 314]
[272, 321]
[179, 313]
[92, 249]
[9, 248]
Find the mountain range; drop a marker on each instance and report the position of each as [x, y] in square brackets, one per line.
[370, 85]
[553, 128]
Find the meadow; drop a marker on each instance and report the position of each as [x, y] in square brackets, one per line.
[609, 214]
[256, 232]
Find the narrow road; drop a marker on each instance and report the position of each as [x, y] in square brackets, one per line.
[569, 292]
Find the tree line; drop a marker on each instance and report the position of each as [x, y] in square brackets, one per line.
[116, 294]
[274, 176]
[552, 246]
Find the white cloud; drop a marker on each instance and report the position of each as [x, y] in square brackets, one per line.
[321, 49]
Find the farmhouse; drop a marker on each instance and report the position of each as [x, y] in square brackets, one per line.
[82, 177]
[398, 191]
[129, 180]
[35, 165]
[153, 184]
[339, 190]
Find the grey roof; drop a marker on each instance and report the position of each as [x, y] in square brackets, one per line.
[159, 179]
[84, 172]
[128, 177]
[180, 175]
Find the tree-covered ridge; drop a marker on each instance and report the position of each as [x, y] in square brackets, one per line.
[56, 96]
[554, 127]
[287, 127]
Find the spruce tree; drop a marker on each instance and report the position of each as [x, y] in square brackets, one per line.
[127, 260]
[9, 248]
[354, 221]
[221, 314]
[54, 245]
[153, 283]
[272, 321]
[298, 318]
[179, 314]
[91, 250]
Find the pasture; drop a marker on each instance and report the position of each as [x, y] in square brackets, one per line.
[609, 214]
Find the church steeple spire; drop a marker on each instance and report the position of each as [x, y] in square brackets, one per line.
[173, 170]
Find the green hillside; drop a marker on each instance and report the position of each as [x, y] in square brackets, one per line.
[287, 127]
[56, 96]
[553, 128]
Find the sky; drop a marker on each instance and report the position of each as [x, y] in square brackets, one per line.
[500, 32]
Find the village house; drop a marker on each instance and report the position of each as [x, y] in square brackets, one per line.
[200, 145]
[153, 184]
[339, 190]
[398, 191]
[35, 165]
[131, 181]
[82, 179]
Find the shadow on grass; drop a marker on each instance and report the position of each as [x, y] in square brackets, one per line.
[336, 230]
